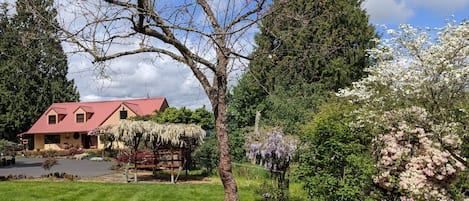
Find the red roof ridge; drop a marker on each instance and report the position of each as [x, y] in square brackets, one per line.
[122, 100]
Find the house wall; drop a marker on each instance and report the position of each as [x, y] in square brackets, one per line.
[65, 138]
[38, 141]
[79, 111]
[70, 140]
[113, 120]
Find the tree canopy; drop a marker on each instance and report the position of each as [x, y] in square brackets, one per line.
[304, 49]
[33, 66]
[205, 36]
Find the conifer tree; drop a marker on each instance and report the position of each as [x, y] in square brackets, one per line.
[33, 66]
[305, 49]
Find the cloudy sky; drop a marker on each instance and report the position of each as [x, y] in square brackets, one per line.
[142, 75]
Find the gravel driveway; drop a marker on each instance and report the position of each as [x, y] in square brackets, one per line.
[31, 167]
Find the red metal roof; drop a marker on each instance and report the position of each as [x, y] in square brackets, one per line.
[102, 111]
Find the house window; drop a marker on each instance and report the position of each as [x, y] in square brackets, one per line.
[123, 114]
[52, 139]
[80, 118]
[52, 119]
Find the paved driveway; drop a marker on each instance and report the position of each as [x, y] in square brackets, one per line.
[32, 167]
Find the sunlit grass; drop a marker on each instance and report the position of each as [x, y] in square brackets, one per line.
[248, 177]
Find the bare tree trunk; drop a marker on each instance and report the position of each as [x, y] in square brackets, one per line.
[219, 110]
[225, 167]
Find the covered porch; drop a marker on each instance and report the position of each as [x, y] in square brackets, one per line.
[59, 141]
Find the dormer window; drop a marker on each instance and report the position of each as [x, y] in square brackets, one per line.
[52, 119]
[80, 118]
[123, 114]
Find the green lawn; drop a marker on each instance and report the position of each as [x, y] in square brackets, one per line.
[24, 190]
[249, 179]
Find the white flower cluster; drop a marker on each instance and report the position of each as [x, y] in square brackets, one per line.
[413, 67]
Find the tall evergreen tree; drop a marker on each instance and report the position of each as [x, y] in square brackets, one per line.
[305, 49]
[33, 66]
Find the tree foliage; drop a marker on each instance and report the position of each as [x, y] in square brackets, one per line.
[33, 66]
[415, 99]
[199, 116]
[336, 161]
[304, 50]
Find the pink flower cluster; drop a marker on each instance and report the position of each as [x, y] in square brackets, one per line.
[411, 159]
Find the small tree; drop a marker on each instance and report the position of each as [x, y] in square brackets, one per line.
[48, 163]
[415, 102]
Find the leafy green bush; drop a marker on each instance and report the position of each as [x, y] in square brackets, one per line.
[206, 156]
[8, 147]
[337, 162]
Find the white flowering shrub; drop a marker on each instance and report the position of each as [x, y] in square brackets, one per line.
[412, 68]
[415, 102]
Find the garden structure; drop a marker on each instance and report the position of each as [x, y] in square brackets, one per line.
[170, 144]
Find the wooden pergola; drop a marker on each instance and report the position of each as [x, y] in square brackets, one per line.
[166, 140]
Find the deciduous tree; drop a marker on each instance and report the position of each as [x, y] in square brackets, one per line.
[415, 99]
[206, 36]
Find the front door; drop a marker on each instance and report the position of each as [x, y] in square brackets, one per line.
[30, 142]
[85, 140]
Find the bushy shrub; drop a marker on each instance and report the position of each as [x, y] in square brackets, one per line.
[206, 156]
[48, 163]
[335, 162]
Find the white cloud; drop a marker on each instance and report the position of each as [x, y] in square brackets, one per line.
[138, 76]
[385, 11]
[440, 6]
[400, 11]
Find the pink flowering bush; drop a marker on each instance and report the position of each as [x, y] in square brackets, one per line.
[411, 159]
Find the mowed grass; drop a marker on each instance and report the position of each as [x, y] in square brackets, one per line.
[25, 190]
[249, 178]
